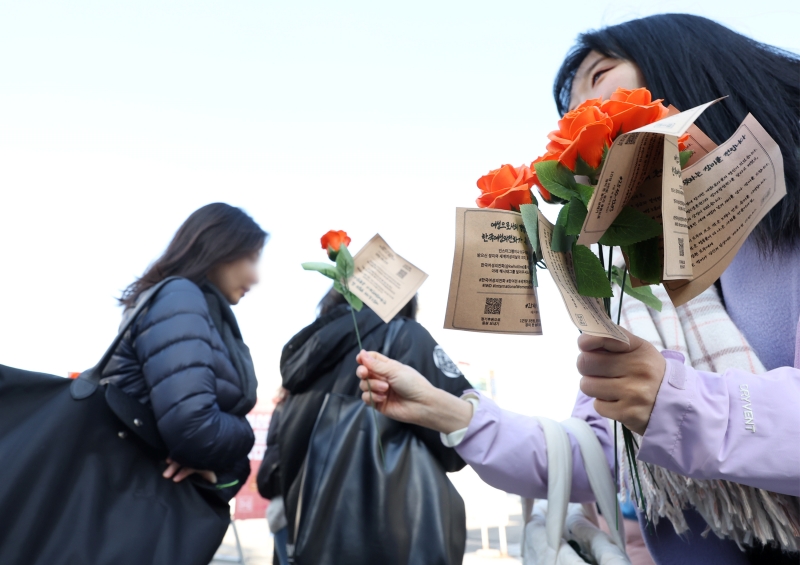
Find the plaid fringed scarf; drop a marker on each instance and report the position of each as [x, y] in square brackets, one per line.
[704, 333]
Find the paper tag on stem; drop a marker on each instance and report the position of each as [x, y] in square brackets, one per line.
[491, 288]
[727, 193]
[677, 262]
[383, 280]
[632, 158]
[586, 313]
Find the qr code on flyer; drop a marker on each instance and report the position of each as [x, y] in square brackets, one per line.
[493, 306]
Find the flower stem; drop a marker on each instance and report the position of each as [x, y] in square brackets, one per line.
[622, 294]
[606, 302]
[369, 387]
[616, 471]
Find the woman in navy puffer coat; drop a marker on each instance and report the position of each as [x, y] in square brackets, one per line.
[184, 355]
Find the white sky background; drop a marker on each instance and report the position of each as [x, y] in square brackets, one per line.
[118, 119]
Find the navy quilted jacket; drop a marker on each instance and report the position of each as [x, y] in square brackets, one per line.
[174, 360]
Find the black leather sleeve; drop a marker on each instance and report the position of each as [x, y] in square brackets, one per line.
[415, 347]
[268, 479]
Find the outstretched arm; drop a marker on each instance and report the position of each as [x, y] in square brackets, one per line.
[507, 450]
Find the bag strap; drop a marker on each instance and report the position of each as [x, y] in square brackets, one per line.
[88, 381]
[596, 465]
[391, 334]
[559, 480]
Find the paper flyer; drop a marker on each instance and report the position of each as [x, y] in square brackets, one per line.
[491, 287]
[632, 158]
[728, 192]
[586, 313]
[383, 280]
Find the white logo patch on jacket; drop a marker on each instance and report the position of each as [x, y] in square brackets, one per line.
[444, 363]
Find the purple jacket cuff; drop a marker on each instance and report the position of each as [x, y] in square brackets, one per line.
[509, 452]
[673, 402]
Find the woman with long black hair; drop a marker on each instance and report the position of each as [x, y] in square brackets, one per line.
[733, 428]
[136, 459]
[184, 356]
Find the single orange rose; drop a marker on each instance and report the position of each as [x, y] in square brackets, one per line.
[506, 188]
[632, 109]
[585, 132]
[333, 241]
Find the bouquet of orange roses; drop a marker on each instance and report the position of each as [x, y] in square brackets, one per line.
[567, 174]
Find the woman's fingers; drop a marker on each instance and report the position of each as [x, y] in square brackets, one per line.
[171, 469]
[588, 342]
[604, 364]
[379, 387]
[183, 473]
[610, 410]
[376, 398]
[177, 473]
[377, 365]
[602, 388]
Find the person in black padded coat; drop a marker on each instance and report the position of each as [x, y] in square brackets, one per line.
[320, 359]
[184, 355]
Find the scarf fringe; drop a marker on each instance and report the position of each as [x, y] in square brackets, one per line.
[741, 513]
[738, 512]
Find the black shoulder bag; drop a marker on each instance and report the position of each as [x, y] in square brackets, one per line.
[354, 510]
[80, 477]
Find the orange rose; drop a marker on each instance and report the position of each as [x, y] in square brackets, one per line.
[506, 188]
[632, 109]
[333, 241]
[682, 142]
[585, 132]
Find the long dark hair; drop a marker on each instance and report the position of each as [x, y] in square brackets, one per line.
[213, 235]
[688, 60]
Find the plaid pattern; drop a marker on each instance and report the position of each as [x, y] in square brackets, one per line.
[704, 333]
[700, 329]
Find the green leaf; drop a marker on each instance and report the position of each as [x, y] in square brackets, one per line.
[644, 294]
[344, 263]
[631, 226]
[641, 293]
[583, 168]
[584, 193]
[325, 268]
[644, 260]
[557, 179]
[353, 300]
[561, 242]
[530, 217]
[576, 216]
[590, 276]
[605, 153]
[685, 156]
